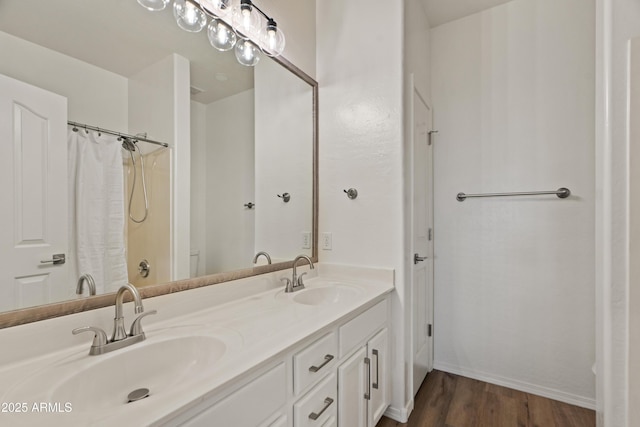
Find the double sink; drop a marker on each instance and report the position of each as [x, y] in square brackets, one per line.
[173, 360]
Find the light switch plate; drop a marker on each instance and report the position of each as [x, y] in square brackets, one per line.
[306, 240]
[327, 241]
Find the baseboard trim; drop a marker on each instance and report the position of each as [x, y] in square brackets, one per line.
[400, 415]
[538, 390]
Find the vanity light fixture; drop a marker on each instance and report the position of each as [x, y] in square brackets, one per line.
[233, 23]
[246, 19]
[154, 5]
[221, 36]
[220, 8]
[189, 16]
[247, 53]
[273, 39]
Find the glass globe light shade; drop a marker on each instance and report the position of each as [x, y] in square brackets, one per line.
[188, 16]
[272, 41]
[220, 35]
[154, 5]
[247, 53]
[219, 8]
[246, 20]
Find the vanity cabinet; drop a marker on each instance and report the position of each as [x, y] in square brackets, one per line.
[338, 377]
[363, 384]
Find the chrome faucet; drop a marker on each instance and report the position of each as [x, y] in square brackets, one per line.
[91, 284]
[119, 338]
[264, 254]
[119, 332]
[296, 283]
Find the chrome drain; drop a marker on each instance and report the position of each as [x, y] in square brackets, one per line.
[138, 394]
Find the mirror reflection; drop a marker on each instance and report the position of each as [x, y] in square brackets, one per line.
[178, 161]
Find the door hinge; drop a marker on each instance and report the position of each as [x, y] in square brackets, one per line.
[431, 132]
[430, 234]
[429, 330]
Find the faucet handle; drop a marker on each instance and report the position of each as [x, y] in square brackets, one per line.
[100, 337]
[288, 284]
[300, 282]
[136, 326]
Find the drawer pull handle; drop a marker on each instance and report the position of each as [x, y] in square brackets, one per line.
[327, 402]
[328, 358]
[375, 384]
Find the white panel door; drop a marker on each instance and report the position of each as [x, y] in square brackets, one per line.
[378, 353]
[33, 216]
[422, 230]
[352, 406]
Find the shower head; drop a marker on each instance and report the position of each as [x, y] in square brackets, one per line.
[128, 144]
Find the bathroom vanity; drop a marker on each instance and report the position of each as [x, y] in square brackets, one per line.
[242, 353]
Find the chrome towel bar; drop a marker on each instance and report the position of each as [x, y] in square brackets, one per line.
[561, 192]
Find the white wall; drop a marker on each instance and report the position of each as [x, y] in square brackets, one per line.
[95, 96]
[513, 94]
[360, 76]
[417, 47]
[297, 20]
[199, 185]
[230, 183]
[283, 161]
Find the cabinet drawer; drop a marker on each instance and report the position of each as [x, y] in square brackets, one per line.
[310, 364]
[358, 330]
[317, 406]
[248, 406]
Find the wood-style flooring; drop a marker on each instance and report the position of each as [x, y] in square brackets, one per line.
[446, 400]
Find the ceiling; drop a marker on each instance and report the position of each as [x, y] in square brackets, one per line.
[124, 38]
[442, 11]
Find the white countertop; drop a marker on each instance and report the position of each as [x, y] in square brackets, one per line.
[253, 317]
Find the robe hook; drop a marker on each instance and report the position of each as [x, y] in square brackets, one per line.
[352, 193]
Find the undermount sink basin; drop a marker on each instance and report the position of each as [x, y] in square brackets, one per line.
[320, 295]
[163, 365]
[157, 367]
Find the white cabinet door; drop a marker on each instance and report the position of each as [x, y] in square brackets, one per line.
[377, 352]
[352, 377]
[33, 172]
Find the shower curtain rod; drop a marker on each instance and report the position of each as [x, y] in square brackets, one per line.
[120, 134]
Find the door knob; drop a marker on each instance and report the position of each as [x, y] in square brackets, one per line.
[417, 258]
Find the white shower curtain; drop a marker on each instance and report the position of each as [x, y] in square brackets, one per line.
[96, 208]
